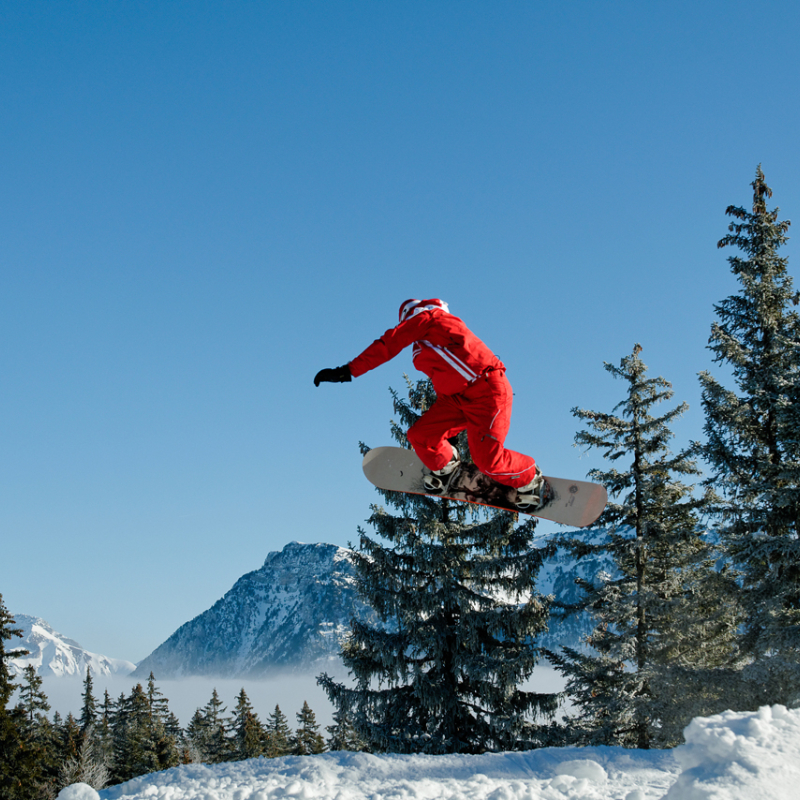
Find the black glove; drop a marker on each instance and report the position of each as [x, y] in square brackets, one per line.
[338, 375]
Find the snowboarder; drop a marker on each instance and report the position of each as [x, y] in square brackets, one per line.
[472, 394]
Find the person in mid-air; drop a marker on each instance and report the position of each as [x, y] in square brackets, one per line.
[472, 394]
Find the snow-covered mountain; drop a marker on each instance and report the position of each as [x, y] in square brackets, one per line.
[54, 654]
[557, 578]
[290, 614]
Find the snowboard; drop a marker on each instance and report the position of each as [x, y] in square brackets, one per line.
[575, 503]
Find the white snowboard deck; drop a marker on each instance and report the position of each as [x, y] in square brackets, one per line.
[574, 503]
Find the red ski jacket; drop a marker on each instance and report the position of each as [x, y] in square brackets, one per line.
[445, 349]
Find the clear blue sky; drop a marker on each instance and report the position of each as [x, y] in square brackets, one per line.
[203, 203]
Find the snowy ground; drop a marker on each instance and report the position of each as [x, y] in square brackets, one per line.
[733, 756]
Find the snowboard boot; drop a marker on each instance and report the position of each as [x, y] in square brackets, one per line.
[533, 495]
[437, 480]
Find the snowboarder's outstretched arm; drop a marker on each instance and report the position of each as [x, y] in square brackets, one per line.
[380, 351]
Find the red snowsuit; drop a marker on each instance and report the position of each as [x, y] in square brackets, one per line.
[472, 393]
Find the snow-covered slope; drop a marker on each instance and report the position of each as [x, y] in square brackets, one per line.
[291, 614]
[54, 654]
[731, 756]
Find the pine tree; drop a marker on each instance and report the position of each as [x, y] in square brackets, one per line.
[164, 731]
[218, 748]
[159, 705]
[33, 702]
[279, 735]
[134, 747]
[342, 735]
[88, 717]
[662, 616]
[38, 731]
[20, 771]
[69, 736]
[307, 740]
[752, 445]
[176, 735]
[87, 766]
[103, 732]
[196, 735]
[454, 592]
[119, 722]
[248, 732]
[141, 743]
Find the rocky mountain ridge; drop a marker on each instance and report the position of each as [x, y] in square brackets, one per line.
[289, 615]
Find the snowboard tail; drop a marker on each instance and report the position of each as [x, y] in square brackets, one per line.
[396, 469]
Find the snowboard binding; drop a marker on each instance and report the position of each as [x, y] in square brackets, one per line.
[537, 496]
[435, 484]
[437, 481]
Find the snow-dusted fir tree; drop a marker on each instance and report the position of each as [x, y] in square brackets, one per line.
[753, 446]
[248, 732]
[307, 740]
[88, 718]
[454, 590]
[661, 616]
[279, 734]
[342, 735]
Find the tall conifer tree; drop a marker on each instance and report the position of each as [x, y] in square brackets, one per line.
[32, 700]
[342, 734]
[752, 443]
[20, 771]
[662, 615]
[103, 731]
[88, 716]
[279, 734]
[141, 741]
[307, 739]
[217, 747]
[248, 732]
[135, 750]
[455, 594]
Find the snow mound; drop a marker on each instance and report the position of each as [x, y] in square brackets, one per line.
[78, 791]
[547, 774]
[731, 756]
[739, 756]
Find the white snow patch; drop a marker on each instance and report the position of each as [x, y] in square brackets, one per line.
[358, 776]
[583, 769]
[731, 756]
[78, 791]
[740, 755]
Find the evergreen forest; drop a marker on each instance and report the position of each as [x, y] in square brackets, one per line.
[114, 740]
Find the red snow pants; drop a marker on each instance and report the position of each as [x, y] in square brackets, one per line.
[483, 409]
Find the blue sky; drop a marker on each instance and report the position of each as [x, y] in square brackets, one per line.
[204, 203]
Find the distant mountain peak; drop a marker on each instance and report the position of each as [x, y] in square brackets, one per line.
[289, 615]
[51, 653]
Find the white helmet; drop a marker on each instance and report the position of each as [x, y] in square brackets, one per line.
[412, 307]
